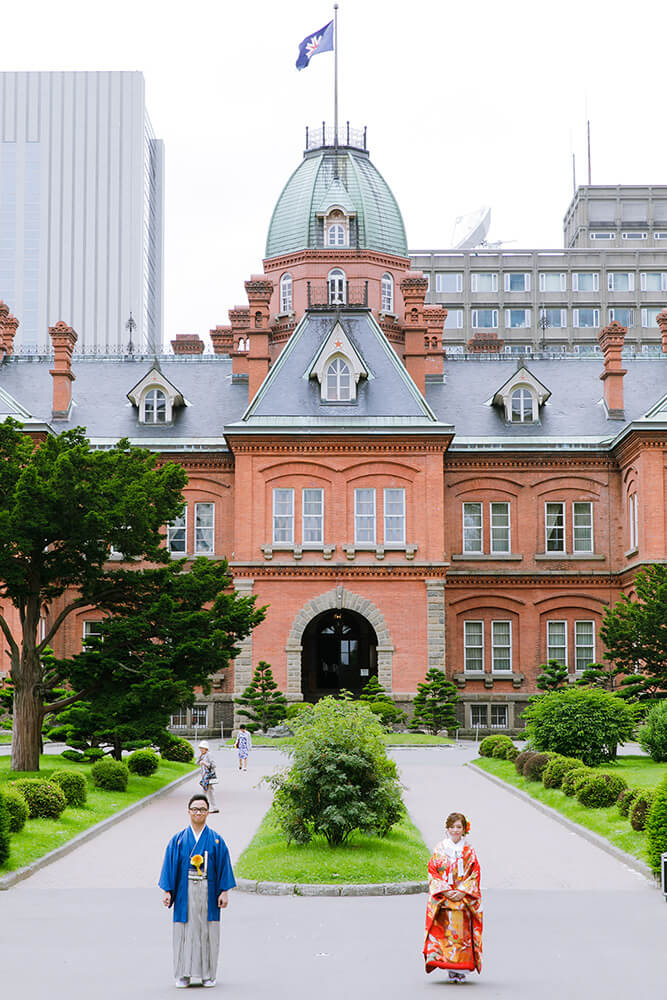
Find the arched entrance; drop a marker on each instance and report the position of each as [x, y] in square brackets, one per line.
[339, 650]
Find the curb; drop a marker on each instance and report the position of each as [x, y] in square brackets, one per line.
[593, 838]
[12, 878]
[310, 889]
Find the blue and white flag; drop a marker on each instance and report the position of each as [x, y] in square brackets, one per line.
[312, 45]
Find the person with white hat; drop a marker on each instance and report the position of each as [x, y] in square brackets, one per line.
[209, 777]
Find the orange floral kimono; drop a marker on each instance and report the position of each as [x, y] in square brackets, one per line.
[453, 927]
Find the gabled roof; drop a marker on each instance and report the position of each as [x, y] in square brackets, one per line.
[522, 376]
[337, 343]
[289, 398]
[337, 196]
[10, 407]
[156, 377]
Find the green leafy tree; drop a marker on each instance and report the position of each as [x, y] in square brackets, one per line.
[341, 779]
[262, 703]
[554, 676]
[634, 632]
[175, 630]
[653, 734]
[579, 722]
[434, 704]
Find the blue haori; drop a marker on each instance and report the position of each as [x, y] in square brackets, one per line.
[174, 874]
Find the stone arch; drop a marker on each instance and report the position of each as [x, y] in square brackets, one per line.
[339, 598]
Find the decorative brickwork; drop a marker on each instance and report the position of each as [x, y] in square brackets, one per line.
[187, 343]
[484, 343]
[63, 339]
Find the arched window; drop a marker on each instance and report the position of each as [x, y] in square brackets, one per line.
[336, 235]
[387, 293]
[286, 293]
[522, 406]
[155, 407]
[337, 287]
[338, 381]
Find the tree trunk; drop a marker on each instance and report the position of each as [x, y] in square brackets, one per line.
[28, 717]
[117, 753]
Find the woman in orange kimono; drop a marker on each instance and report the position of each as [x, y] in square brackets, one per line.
[454, 908]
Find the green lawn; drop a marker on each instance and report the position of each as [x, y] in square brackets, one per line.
[391, 740]
[39, 836]
[5, 737]
[401, 856]
[608, 823]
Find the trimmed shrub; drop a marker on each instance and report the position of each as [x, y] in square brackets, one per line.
[511, 753]
[653, 735]
[656, 826]
[503, 746]
[143, 762]
[625, 800]
[573, 779]
[74, 786]
[110, 775]
[92, 754]
[178, 749]
[17, 809]
[600, 790]
[488, 745]
[521, 758]
[533, 769]
[45, 799]
[4, 830]
[556, 770]
[640, 809]
[74, 755]
[579, 722]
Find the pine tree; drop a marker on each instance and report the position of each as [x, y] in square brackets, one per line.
[553, 676]
[434, 703]
[262, 703]
[373, 691]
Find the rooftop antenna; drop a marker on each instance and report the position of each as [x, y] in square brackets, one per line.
[130, 326]
[588, 124]
[574, 175]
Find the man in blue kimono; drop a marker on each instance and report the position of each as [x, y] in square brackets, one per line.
[196, 876]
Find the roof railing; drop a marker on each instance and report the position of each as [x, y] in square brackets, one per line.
[324, 136]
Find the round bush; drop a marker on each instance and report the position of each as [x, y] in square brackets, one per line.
[656, 826]
[580, 722]
[653, 735]
[640, 809]
[556, 770]
[143, 762]
[93, 753]
[74, 755]
[110, 775]
[4, 830]
[45, 799]
[17, 809]
[600, 790]
[502, 747]
[625, 800]
[572, 779]
[74, 786]
[488, 745]
[178, 749]
[511, 753]
[533, 769]
[521, 758]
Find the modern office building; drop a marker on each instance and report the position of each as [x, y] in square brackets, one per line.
[81, 208]
[614, 267]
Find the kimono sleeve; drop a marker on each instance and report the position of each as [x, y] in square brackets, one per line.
[225, 875]
[168, 880]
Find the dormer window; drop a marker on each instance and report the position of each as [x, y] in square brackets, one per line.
[337, 284]
[521, 397]
[155, 407]
[338, 386]
[523, 406]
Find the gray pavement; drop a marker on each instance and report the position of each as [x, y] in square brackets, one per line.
[561, 916]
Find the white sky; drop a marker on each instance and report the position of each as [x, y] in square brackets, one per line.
[466, 104]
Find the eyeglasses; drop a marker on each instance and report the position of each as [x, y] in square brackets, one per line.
[196, 810]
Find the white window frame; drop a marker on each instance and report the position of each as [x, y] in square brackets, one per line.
[634, 236]
[550, 645]
[596, 318]
[337, 287]
[524, 395]
[578, 645]
[506, 528]
[387, 293]
[631, 316]
[199, 710]
[645, 314]
[336, 235]
[90, 630]
[527, 319]
[662, 276]
[179, 719]
[554, 503]
[498, 725]
[312, 523]
[360, 517]
[474, 281]
[611, 281]
[282, 521]
[156, 398]
[596, 281]
[286, 297]
[485, 714]
[562, 275]
[334, 378]
[633, 520]
[496, 646]
[575, 546]
[200, 549]
[508, 278]
[602, 236]
[494, 319]
[477, 671]
[449, 274]
[474, 527]
[398, 520]
[454, 314]
[563, 317]
[179, 524]
[660, 236]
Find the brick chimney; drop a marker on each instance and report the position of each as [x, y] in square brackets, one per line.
[434, 318]
[63, 339]
[611, 340]
[259, 290]
[8, 327]
[413, 288]
[662, 323]
[187, 343]
[221, 338]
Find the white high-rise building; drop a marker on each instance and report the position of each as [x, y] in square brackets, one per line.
[81, 208]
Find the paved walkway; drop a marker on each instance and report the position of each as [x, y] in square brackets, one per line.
[562, 917]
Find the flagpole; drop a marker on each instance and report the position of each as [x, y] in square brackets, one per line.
[336, 75]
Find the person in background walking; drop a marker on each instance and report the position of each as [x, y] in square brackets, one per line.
[196, 877]
[209, 777]
[454, 908]
[244, 745]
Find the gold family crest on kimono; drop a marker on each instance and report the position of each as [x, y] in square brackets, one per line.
[453, 927]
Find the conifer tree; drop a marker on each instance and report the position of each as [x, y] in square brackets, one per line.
[262, 703]
[373, 691]
[434, 703]
[553, 676]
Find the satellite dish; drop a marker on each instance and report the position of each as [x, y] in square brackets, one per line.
[470, 230]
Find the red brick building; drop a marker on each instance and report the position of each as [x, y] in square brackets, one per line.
[395, 508]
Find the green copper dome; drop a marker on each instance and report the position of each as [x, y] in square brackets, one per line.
[344, 178]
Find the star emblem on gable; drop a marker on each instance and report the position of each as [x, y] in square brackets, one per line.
[338, 343]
